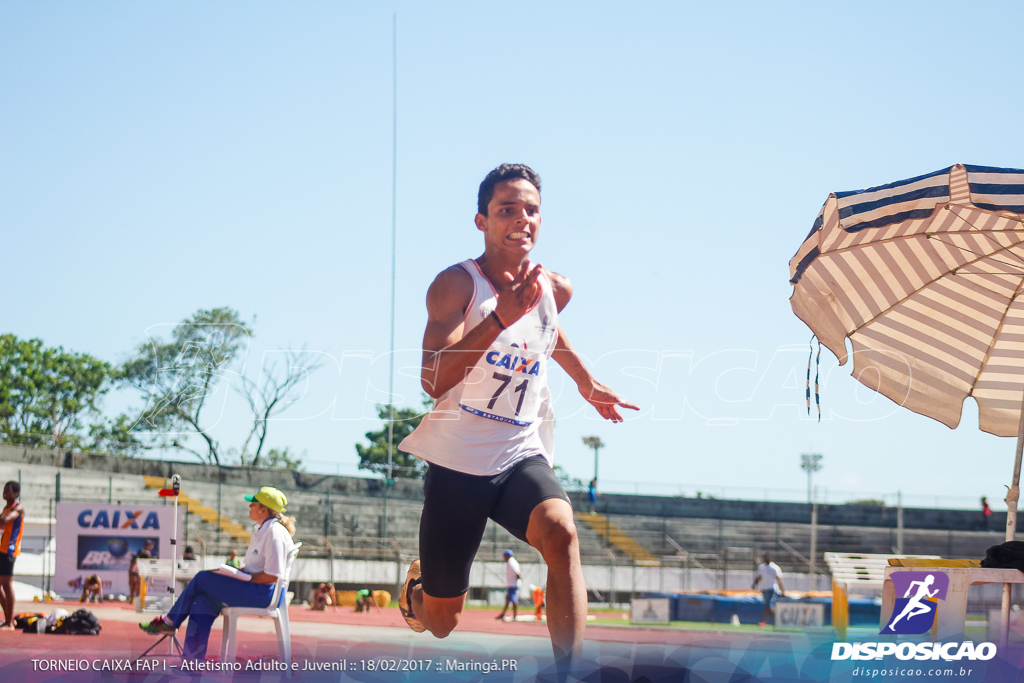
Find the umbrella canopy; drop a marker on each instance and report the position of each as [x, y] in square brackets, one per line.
[924, 276]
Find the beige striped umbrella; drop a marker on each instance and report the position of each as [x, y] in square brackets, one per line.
[923, 276]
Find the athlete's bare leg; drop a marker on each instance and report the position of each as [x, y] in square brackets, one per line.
[7, 600]
[439, 615]
[552, 531]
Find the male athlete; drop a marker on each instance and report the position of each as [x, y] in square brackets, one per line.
[13, 520]
[492, 328]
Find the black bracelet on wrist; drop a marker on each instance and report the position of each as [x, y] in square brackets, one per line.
[494, 314]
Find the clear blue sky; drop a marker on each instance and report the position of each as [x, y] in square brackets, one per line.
[157, 158]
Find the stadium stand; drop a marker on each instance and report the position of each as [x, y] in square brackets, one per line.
[635, 543]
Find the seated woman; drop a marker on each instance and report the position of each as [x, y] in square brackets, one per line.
[207, 592]
[92, 589]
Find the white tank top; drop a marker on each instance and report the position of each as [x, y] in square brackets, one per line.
[501, 412]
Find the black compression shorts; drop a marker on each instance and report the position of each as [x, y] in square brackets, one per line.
[6, 565]
[456, 508]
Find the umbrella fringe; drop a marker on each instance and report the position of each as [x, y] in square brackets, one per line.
[817, 370]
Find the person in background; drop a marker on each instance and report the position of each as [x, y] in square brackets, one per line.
[134, 579]
[986, 514]
[208, 592]
[147, 552]
[513, 580]
[92, 589]
[325, 595]
[189, 553]
[233, 560]
[592, 495]
[769, 577]
[364, 600]
[13, 521]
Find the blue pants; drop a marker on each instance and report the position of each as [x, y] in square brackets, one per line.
[202, 600]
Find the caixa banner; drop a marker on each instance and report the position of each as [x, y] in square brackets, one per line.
[102, 538]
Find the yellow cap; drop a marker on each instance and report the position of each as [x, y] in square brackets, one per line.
[269, 497]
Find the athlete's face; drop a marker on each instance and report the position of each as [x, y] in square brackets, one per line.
[9, 495]
[512, 223]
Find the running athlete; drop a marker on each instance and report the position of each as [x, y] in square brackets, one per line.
[13, 520]
[492, 328]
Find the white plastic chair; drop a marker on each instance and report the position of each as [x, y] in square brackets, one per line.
[278, 613]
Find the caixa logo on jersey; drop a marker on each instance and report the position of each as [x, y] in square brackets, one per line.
[527, 366]
[119, 519]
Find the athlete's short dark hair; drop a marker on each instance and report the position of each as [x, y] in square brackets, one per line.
[15, 487]
[500, 174]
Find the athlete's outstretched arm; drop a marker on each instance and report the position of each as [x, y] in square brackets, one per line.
[606, 401]
[449, 352]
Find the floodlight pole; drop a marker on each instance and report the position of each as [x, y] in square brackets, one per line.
[812, 569]
[812, 463]
[389, 480]
[595, 443]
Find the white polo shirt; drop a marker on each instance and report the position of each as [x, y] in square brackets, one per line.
[512, 579]
[769, 576]
[268, 548]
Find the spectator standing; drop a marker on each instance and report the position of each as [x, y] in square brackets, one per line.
[769, 577]
[513, 580]
[134, 579]
[13, 520]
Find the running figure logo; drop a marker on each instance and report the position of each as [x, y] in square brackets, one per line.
[914, 613]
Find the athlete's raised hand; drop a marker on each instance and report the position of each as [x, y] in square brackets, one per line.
[606, 401]
[520, 294]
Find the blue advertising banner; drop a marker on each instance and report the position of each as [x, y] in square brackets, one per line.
[102, 538]
[112, 552]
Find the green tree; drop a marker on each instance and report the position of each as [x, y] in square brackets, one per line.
[114, 435]
[272, 458]
[45, 392]
[375, 456]
[177, 378]
[568, 482]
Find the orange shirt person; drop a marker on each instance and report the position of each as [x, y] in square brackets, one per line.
[13, 519]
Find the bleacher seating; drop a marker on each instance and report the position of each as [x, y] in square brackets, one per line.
[789, 544]
[343, 517]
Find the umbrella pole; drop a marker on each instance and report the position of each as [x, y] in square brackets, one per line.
[1012, 495]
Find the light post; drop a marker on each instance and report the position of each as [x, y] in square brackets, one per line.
[595, 443]
[812, 463]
